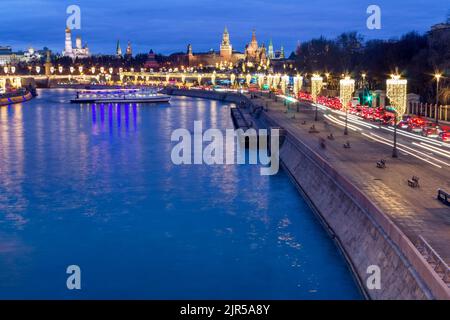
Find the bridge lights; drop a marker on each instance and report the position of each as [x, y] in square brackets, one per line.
[346, 89]
[396, 92]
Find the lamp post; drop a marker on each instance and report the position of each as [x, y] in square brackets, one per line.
[396, 92]
[316, 87]
[346, 89]
[438, 77]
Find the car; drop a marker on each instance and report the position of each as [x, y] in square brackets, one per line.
[403, 124]
[444, 136]
[413, 127]
[431, 132]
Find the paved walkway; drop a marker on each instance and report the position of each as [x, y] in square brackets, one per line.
[415, 211]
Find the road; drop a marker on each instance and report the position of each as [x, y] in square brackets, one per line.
[415, 210]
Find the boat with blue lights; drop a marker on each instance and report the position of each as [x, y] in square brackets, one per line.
[120, 96]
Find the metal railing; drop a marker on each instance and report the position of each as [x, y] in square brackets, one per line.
[434, 259]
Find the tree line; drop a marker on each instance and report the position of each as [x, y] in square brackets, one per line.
[416, 56]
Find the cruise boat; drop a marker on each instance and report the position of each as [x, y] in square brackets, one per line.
[120, 96]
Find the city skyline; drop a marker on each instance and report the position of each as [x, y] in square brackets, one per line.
[285, 22]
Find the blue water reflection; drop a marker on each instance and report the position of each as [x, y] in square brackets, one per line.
[93, 185]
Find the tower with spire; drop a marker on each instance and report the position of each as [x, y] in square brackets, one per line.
[252, 48]
[129, 52]
[271, 52]
[282, 56]
[226, 50]
[118, 50]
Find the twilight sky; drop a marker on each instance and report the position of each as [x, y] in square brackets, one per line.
[169, 25]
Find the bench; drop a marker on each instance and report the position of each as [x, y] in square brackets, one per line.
[381, 164]
[413, 182]
[313, 129]
[322, 143]
[443, 197]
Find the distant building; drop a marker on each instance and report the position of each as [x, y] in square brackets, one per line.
[254, 53]
[226, 50]
[129, 52]
[151, 62]
[271, 54]
[79, 52]
[118, 50]
[6, 55]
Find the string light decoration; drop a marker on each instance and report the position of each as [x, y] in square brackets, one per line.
[396, 90]
[232, 79]
[261, 80]
[298, 84]
[316, 87]
[248, 79]
[269, 81]
[346, 89]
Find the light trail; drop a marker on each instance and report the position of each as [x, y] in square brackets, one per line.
[432, 149]
[407, 152]
[333, 119]
[361, 123]
[413, 150]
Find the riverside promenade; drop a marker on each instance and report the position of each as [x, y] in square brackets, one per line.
[415, 210]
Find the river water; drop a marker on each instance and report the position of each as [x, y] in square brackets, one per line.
[94, 186]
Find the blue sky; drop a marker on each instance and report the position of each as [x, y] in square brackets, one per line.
[169, 25]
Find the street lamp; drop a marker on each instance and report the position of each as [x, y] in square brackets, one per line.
[396, 92]
[316, 87]
[346, 89]
[438, 77]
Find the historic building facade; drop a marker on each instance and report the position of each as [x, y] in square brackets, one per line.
[253, 54]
